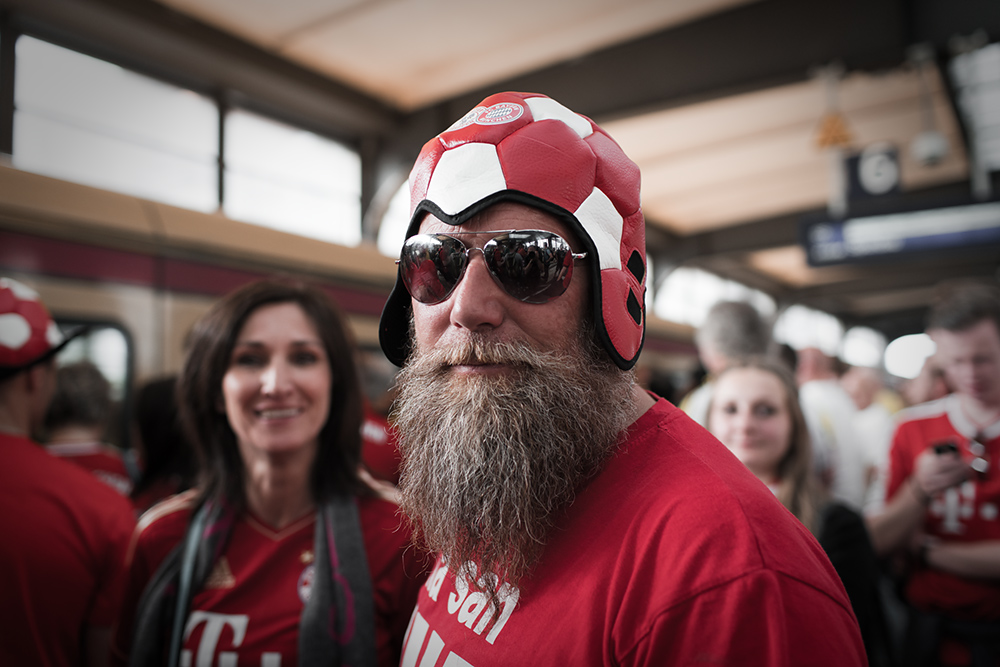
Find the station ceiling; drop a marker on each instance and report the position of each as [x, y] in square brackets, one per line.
[720, 102]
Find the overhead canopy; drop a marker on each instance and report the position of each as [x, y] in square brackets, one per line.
[720, 102]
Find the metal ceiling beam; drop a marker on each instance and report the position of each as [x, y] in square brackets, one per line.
[910, 273]
[156, 40]
[750, 47]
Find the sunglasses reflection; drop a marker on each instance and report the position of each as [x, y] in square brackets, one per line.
[532, 265]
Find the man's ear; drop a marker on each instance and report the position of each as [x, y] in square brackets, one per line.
[34, 377]
[40, 378]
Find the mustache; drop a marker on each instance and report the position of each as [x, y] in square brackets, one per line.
[475, 349]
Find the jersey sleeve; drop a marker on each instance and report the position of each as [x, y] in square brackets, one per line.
[158, 532]
[900, 460]
[116, 528]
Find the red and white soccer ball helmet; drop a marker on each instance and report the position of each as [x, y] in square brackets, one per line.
[27, 332]
[528, 148]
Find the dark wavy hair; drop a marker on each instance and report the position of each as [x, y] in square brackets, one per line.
[199, 392]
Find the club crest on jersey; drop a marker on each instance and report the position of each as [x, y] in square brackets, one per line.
[305, 584]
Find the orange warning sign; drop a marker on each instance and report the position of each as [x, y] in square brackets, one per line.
[833, 132]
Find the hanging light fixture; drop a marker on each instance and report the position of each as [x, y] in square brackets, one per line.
[929, 147]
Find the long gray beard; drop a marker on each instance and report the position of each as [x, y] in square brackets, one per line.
[489, 461]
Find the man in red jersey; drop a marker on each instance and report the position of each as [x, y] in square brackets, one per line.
[64, 532]
[77, 420]
[943, 493]
[579, 520]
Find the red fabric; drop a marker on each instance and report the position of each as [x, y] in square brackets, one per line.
[102, 461]
[61, 557]
[255, 586]
[380, 447]
[674, 555]
[25, 325]
[967, 513]
[548, 157]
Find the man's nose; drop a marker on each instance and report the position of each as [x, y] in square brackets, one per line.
[477, 302]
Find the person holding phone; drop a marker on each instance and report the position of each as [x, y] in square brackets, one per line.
[943, 494]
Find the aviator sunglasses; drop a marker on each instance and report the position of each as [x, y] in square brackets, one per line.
[531, 265]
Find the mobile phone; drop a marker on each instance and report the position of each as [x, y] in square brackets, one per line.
[945, 447]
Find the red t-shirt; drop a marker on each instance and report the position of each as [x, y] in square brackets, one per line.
[250, 607]
[104, 462]
[966, 513]
[674, 555]
[62, 554]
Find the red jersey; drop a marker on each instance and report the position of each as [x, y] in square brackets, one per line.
[969, 512]
[674, 554]
[248, 611]
[103, 461]
[61, 556]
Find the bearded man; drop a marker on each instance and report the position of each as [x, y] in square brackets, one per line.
[579, 519]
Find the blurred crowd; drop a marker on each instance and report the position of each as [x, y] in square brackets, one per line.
[893, 476]
[885, 473]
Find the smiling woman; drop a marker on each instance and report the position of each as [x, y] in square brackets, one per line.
[282, 541]
[277, 389]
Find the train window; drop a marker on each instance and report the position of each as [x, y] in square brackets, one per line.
[109, 347]
[104, 345]
[291, 179]
[86, 120]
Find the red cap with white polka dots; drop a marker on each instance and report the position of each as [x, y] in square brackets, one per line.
[27, 333]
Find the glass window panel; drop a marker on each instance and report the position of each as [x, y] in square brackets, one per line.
[394, 222]
[669, 298]
[802, 327]
[288, 208]
[905, 356]
[688, 294]
[862, 346]
[104, 346]
[83, 119]
[291, 179]
[76, 154]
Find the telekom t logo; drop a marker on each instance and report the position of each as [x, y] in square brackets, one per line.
[954, 506]
[214, 625]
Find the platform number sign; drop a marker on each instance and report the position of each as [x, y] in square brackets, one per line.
[873, 172]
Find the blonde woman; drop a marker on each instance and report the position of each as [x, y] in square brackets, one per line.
[755, 412]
